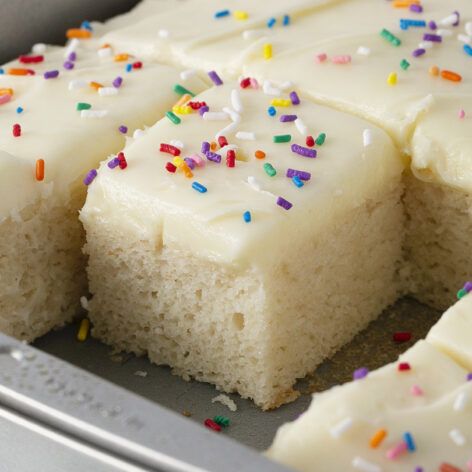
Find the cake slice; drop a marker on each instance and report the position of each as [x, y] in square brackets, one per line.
[413, 413]
[63, 122]
[258, 255]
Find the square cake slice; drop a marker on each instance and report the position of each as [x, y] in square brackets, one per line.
[248, 238]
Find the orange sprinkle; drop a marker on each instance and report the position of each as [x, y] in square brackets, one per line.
[183, 99]
[20, 71]
[377, 438]
[452, 76]
[6, 91]
[259, 154]
[213, 146]
[78, 33]
[434, 71]
[106, 45]
[40, 169]
[121, 57]
[95, 85]
[405, 3]
[187, 171]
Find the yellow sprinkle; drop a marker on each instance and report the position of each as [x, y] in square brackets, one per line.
[377, 438]
[121, 57]
[392, 78]
[241, 15]
[178, 161]
[185, 110]
[404, 3]
[267, 51]
[83, 330]
[280, 102]
[6, 91]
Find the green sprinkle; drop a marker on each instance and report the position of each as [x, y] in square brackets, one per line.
[404, 64]
[269, 169]
[173, 117]
[390, 37]
[221, 420]
[461, 293]
[282, 138]
[179, 89]
[83, 106]
[321, 139]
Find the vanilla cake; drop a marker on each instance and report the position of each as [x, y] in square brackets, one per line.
[52, 118]
[414, 414]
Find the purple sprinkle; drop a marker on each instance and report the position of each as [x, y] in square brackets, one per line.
[203, 110]
[458, 16]
[295, 98]
[301, 174]
[360, 373]
[469, 377]
[215, 78]
[117, 82]
[123, 129]
[435, 38]
[68, 65]
[113, 163]
[190, 162]
[285, 204]
[468, 287]
[51, 74]
[303, 151]
[205, 147]
[90, 177]
[72, 56]
[432, 25]
[418, 469]
[418, 52]
[286, 118]
[213, 156]
[416, 8]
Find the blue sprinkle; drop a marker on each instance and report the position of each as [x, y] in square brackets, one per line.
[86, 25]
[247, 216]
[221, 13]
[199, 187]
[129, 67]
[1, 71]
[272, 111]
[406, 23]
[410, 443]
[271, 22]
[297, 181]
[286, 20]
[19, 110]
[468, 49]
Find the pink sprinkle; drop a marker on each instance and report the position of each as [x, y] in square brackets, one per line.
[417, 391]
[319, 58]
[5, 98]
[469, 465]
[396, 451]
[344, 59]
[198, 160]
[461, 114]
[254, 83]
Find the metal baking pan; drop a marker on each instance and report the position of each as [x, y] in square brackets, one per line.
[119, 412]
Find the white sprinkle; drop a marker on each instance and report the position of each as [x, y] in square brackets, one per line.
[138, 133]
[163, 33]
[285, 85]
[269, 89]
[104, 52]
[77, 84]
[425, 45]
[39, 48]
[246, 135]
[366, 466]
[301, 127]
[461, 401]
[228, 147]
[464, 38]
[226, 401]
[367, 137]
[107, 91]
[236, 117]
[71, 47]
[84, 303]
[186, 74]
[227, 130]
[215, 116]
[253, 34]
[236, 100]
[448, 20]
[141, 373]
[444, 33]
[93, 113]
[457, 437]
[363, 51]
[468, 28]
[342, 427]
[252, 181]
[177, 143]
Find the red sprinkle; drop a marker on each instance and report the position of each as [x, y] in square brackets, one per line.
[404, 366]
[401, 336]
[16, 130]
[175, 151]
[310, 141]
[212, 425]
[222, 141]
[245, 83]
[137, 65]
[122, 161]
[445, 467]
[31, 59]
[230, 158]
[196, 105]
[170, 167]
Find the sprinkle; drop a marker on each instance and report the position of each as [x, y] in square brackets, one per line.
[469, 377]
[367, 137]
[169, 149]
[294, 98]
[267, 51]
[452, 76]
[310, 141]
[122, 162]
[86, 25]
[95, 85]
[222, 420]
[280, 102]
[407, 23]
[40, 169]
[104, 51]
[404, 64]
[129, 67]
[297, 181]
[247, 216]
[20, 71]
[409, 441]
[4, 99]
[215, 78]
[416, 8]
[68, 65]
[240, 15]
[31, 59]
[107, 91]
[342, 427]
[287, 118]
[83, 106]
[89, 178]
[321, 57]
[342, 59]
[173, 117]
[303, 151]
[121, 57]
[285, 204]
[363, 51]
[187, 74]
[446, 467]
[271, 111]
[230, 158]
[199, 187]
[236, 100]
[461, 401]
[215, 116]
[320, 140]
[269, 169]
[301, 127]
[77, 84]
[93, 113]
[271, 22]
[39, 48]
[286, 20]
[418, 52]
[416, 391]
[210, 424]
[404, 366]
[434, 71]
[457, 437]
[468, 49]
[434, 38]
[6, 91]
[190, 163]
[300, 173]
[83, 330]
[390, 37]
[259, 154]
[181, 90]
[16, 130]
[213, 156]
[137, 65]
[282, 138]
[19, 110]
[392, 78]
[205, 147]
[115, 162]
[222, 141]
[163, 33]
[377, 438]
[78, 33]
[365, 466]
[51, 74]
[461, 114]
[123, 129]
[396, 451]
[222, 13]
[360, 373]
[451, 20]
[401, 336]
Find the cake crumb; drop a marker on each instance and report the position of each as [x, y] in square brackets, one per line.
[141, 373]
[84, 303]
[186, 413]
[225, 400]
